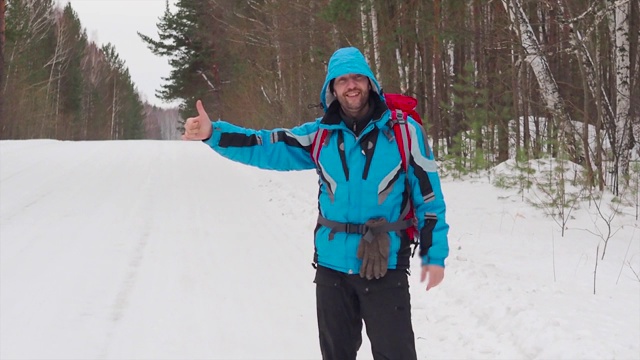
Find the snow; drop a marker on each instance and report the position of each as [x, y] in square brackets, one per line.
[165, 250]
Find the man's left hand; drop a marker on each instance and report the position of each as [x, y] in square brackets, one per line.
[435, 274]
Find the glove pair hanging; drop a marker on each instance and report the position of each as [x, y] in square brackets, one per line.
[373, 250]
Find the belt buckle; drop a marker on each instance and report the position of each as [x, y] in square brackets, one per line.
[356, 228]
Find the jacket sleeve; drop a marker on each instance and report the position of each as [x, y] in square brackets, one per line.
[278, 149]
[430, 209]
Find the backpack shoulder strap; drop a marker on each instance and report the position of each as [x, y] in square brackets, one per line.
[319, 141]
[400, 127]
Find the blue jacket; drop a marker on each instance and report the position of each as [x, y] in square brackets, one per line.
[361, 177]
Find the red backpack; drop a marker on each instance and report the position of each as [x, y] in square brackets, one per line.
[401, 107]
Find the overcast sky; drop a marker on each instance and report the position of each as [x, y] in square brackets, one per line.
[117, 22]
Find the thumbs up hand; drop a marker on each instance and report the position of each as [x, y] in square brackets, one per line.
[199, 127]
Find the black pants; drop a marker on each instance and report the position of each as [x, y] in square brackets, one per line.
[344, 301]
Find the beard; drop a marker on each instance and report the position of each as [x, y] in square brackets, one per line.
[355, 105]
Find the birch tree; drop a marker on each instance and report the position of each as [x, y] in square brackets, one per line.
[579, 46]
[95, 72]
[438, 77]
[115, 68]
[417, 73]
[549, 91]
[67, 36]
[592, 86]
[364, 28]
[376, 41]
[623, 144]
[635, 94]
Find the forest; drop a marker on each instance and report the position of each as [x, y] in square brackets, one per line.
[55, 83]
[495, 80]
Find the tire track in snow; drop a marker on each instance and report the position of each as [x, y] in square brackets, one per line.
[122, 299]
[140, 205]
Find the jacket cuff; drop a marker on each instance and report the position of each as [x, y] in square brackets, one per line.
[432, 261]
[213, 131]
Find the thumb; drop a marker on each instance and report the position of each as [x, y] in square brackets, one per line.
[200, 108]
[423, 275]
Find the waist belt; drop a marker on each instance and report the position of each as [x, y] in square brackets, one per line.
[368, 232]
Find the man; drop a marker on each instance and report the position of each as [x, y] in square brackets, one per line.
[362, 249]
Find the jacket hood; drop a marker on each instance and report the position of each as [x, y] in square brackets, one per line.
[346, 61]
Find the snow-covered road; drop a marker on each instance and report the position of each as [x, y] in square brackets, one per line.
[165, 250]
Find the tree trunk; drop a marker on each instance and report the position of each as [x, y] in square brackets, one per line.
[417, 74]
[480, 19]
[376, 41]
[622, 71]
[399, 44]
[55, 75]
[635, 92]
[364, 28]
[281, 89]
[585, 127]
[312, 22]
[599, 160]
[114, 105]
[401, 74]
[3, 127]
[437, 80]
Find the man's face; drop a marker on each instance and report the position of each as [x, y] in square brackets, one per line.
[352, 92]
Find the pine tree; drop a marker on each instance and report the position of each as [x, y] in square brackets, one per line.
[132, 110]
[29, 38]
[186, 38]
[71, 78]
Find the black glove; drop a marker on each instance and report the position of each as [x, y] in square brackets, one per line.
[374, 251]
